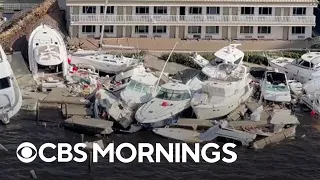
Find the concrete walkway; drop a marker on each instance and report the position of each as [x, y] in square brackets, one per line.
[165, 45]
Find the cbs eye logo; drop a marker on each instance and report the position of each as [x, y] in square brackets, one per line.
[26, 152]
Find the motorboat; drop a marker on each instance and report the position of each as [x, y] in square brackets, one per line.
[229, 54]
[312, 101]
[199, 60]
[228, 87]
[47, 52]
[140, 90]
[275, 87]
[165, 107]
[302, 69]
[296, 87]
[108, 63]
[10, 94]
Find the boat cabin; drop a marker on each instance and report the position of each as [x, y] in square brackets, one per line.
[276, 81]
[309, 60]
[174, 92]
[229, 54]
[143, 83]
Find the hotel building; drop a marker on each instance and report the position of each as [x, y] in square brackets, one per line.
[192, 19]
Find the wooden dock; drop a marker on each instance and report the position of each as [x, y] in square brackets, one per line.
[89, 126]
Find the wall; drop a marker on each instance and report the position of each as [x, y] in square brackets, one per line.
[276, 33]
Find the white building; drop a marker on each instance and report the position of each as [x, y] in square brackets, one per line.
[9, 7]
[205, 19]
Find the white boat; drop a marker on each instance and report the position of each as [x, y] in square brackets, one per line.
[275, 87]
[47, 49]
[198, 59]
[295, 87]
[229, 54]
[140, 90]
[170, 101]
[312, 101]
[107, 63]
[228, 87]
[303, 69]
[10, 95]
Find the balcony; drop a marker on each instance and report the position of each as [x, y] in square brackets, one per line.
[16, 6]
[223, 20]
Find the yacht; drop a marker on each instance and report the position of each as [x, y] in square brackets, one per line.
[47, 52]
[229, 86]
[303, 69]
[170, 101]
[275, 87]
[108, 63]
[10, 95]
[229, 54]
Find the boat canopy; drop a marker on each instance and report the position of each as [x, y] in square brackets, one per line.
[309, 60]
[173, 95]
[229, 72]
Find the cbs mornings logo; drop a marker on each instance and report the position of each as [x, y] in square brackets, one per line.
[176, 153]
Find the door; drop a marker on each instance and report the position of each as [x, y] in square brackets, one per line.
[182, 12]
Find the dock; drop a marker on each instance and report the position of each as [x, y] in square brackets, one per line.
[89, 125]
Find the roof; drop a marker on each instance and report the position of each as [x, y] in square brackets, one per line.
[145, 78]
[313, 57]
[229, 53]
[176, 86]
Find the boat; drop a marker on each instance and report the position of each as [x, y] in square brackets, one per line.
[312, 101]
[108, 63]
[302, 69]
[275, 87]
[228, 54]
[296, 87]
[228, 87]
[170, 101]
[47, 53]
[10, 94]
[199, 60]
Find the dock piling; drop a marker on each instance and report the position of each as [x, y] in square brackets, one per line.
[82, 138]
[90, 161]
[33, 174]
[37, 112]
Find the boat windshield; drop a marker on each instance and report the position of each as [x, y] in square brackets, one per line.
[5, 83]
[173, 95]
[280, 88]
[217, 61]
[138, 87]
[202, 76]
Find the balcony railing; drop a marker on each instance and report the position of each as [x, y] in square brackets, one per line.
[17, 6]
[192, 19]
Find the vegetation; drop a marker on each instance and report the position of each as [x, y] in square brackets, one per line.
[251, 57]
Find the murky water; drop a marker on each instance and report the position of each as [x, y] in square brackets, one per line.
[293, 159]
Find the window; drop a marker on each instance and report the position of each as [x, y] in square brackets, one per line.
[238, 61]
[173, 95]
[213, 10]
[142, 10]
[298, 30]
[246, 29]
[138, 87]
[88, 9]
[265, 10]
[212, 29]
[195, 10]
[160, 10]
[159, 29]
[247, 10]
[305, 64]
[88, 29]
[110, 9]
[107, 29]
[141, 29]
[194, 29]
[264, 30]
[299, 11]
[5, 83]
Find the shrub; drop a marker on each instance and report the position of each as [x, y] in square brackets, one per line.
[251, 57]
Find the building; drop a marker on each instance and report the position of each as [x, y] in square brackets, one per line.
[9, 7]
[204, 19]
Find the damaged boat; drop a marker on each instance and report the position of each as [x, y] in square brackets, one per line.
[303, 69]
[228, 87]
[275, 87]
[10, 94]
[47, 55]
[171, 100]
[229, 54]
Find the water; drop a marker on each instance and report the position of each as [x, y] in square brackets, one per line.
[292, 159]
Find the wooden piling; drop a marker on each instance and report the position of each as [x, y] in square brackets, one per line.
[90, 161]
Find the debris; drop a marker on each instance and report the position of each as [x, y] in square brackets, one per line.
[33, 174]
[90, 144]
[303, 136]
[284, 117]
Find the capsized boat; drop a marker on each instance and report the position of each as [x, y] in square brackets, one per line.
[229, 54]
[10, 95]
[107, 63]
[171, 100]
[228, 87]
[275, 87]
[47, 51]
[303, 69]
